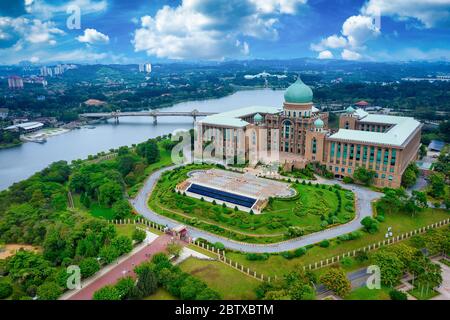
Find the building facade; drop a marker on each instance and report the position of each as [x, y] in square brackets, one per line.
[298, 134]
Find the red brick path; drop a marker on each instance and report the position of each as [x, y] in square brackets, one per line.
[128, 265]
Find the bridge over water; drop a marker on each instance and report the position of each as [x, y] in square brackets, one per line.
[155, 114]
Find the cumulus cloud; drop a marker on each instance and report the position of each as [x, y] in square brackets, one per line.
[332, 42]
[350, 55]
[14, 30]
[46, 9]
[210, 29]
[326, 54]
[92, 36]
[359, 29]
[430, 13]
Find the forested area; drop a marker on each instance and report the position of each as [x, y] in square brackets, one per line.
[35, 211]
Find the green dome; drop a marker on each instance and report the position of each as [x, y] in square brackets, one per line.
[318, 123]
[298, 92]
[258, 118]
[349, 110]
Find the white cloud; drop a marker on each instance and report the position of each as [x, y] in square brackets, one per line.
[45, 10]
[359, 29]
[92, 36]
[34, 59]
[26, 30]
[430, 13]
[280, 6]
[210, 29]
[332, 42]
[326, 54]
[350, 55]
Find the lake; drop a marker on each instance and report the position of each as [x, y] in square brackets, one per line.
[21, 162]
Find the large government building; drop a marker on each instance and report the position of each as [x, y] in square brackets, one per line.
[298, 134]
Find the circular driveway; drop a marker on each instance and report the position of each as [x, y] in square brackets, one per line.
[364, 198]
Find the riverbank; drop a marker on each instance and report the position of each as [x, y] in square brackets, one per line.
[10, 145]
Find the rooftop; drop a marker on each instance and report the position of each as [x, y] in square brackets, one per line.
[402, 129]
[26, 125]
[233, 118]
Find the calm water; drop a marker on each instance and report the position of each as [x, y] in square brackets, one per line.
[21, 162]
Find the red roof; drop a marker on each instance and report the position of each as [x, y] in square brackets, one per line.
[362, 103]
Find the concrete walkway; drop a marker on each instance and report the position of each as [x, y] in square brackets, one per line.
[444, 288]
[364, 198]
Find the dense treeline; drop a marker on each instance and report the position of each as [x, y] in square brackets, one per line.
[35, 211]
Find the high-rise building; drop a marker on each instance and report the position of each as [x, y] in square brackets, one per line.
[145, 67]
[15, 82]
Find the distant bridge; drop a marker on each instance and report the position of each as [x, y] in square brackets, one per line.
[155, 114]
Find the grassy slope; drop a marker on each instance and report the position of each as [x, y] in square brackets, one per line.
[366, 294]
[230, 283]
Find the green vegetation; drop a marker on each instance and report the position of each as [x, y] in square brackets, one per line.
[365, 293]
[410, 175]
[314, 208]
[159, 273]
[364, 176]
[400, 222]
[336, 280]
[295, 285]
[423, 293]
[229, 283]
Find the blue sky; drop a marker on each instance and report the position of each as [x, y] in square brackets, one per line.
[113, 31]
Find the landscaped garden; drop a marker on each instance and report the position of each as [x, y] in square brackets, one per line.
[314, 208]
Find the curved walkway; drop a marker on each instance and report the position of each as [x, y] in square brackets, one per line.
[364, 198]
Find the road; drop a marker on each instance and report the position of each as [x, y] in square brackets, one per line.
[364, 198]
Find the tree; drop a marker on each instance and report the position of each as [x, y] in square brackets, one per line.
[138, 235]
[149, 150]
[174, 249]
[49, 291]
[122, 209]
[109, 253]
[147, 282]
[437, 185]
[126, 163]
[391, 267]
[336, 280]
[88, 267]
[410, 175]
[107, 293]
[122, 244]
[109, 192]
[364, 176]
[370, 224]
[125, 287]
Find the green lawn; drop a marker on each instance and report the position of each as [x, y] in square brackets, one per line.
[277, 265]
[423, 293]
[161, 294]
[99, 211]
[364, 293]
[125, 229]
[445, 261]
[230, 283]
[307, 210]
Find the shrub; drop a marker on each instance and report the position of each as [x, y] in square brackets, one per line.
[138, 235]
[347, 180]
[5, 290]
[324, 224]
[88, 267]
[300, 251]
[361, 256]
[380, 218]
[49, 291]
[219, 245]
[324, 244]
[257, 256]
[347, 262]
[370, 224]
[397, 295]
[107, 293]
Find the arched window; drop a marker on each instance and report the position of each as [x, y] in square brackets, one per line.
[314, 145]
[254, 138]
[347, 125]
[287, 129]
